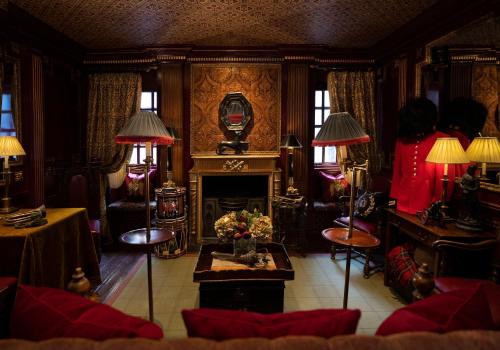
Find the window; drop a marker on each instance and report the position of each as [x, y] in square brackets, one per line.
[7, 127]
[149, 102]
[322, 155]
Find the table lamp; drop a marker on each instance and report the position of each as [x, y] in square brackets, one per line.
[146, 128]
[484, 150]
[446, 150]
[9, 146]
[170, 183]
[290, 142]
[341, 129]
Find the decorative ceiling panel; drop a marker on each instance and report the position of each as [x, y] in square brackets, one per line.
[111, 24]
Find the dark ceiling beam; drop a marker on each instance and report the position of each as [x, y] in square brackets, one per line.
[438, 20]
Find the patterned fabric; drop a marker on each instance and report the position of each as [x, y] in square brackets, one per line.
[113, 99]
[332, 187]
[354, 92]
[402, 267]
[485, 89]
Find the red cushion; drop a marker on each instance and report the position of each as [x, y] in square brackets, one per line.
[42, 313]
[95, 226]
[135, 185]
[402, 267]
[332, 187]
[226, 324]
[462, 309]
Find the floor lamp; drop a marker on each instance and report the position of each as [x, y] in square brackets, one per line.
[290, 142]
[341, 129]
[484, 150]
[9, 146]
[146, 128]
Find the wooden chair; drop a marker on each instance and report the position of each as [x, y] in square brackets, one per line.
[458, 265]
[373, 225]
[83, 193]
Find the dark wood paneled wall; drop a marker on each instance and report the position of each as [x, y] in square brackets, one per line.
[172, 108]
[298, 122]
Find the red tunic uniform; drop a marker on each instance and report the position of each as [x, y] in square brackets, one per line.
[415, 182]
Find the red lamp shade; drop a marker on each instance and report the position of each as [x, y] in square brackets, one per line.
[340, 129]
[143, 127]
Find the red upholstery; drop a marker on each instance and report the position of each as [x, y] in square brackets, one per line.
[43, 313]
[470, 308]
[95, 226]
[332, 186]
[449, 284]
[7, 282]
[359, 224]
[226, 324]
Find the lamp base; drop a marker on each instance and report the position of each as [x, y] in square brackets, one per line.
[6, 208]
[292, 191]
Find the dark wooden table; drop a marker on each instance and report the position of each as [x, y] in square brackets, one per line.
[399, 223]
[359, 239]
[138, 239]
[257, 290]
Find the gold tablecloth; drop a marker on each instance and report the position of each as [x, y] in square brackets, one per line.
[47, 255]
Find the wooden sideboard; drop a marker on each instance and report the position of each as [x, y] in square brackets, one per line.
[399, 223]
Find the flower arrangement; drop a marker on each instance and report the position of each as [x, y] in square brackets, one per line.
[244, 224]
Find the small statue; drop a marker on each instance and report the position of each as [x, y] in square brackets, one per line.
[470, 185]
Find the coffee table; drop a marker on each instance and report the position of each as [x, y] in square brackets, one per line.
[258, 290]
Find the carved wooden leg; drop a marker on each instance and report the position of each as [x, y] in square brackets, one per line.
[333, 251]
[366, 269]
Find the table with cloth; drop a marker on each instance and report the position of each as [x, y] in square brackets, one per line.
[48, 255]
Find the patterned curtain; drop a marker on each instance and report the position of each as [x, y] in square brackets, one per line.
[354, 92]
[113, 99]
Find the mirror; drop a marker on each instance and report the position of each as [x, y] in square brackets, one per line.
[235, 113]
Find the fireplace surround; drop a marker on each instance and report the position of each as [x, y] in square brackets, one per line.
[209, 170]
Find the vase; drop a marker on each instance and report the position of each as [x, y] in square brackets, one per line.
[244, 245]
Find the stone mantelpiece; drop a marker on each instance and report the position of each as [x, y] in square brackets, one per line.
[229, 165]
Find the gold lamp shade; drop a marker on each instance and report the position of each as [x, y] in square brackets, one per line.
[144, 127]
[447, 150]
[484, 150]
[10, 146]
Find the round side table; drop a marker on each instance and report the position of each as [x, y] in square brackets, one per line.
[139, 240]
[359, 239]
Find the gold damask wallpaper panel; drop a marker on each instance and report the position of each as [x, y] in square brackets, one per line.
[259, 83]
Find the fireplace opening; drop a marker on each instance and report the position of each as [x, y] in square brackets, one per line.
[221, 194]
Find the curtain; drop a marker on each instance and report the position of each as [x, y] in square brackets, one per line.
[113, 99]
[354, 92]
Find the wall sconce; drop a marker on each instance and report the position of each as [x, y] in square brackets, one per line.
[9, 146]
[290, 142]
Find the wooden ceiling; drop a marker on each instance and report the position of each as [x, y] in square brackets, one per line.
[112, 24]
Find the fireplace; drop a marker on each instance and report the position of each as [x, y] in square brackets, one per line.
[220, 183]
[222, 194]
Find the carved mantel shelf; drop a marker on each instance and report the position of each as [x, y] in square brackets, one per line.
[229, 165]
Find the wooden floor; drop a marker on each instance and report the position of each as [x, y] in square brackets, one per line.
[115, 266]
